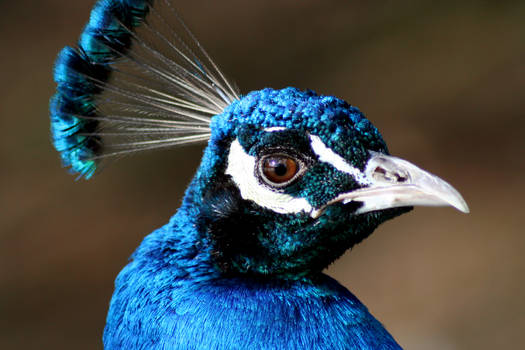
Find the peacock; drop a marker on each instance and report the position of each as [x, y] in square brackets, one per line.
[289, 181]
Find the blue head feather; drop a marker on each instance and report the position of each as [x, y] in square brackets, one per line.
[342, 127]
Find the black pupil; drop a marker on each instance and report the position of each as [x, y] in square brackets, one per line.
[280, 168]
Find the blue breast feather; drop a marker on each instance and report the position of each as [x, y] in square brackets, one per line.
[168, 297]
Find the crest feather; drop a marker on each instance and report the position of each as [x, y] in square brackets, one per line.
[138, 80]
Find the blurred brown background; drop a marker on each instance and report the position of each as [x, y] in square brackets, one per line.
[444, 82]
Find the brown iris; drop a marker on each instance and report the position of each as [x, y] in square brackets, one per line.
[279, 168]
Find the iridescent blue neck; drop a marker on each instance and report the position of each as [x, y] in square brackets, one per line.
[167, 298]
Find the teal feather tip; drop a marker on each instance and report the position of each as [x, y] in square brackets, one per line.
[80, 74]
[130, 87]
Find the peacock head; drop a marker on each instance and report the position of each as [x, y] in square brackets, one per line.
[290, 180]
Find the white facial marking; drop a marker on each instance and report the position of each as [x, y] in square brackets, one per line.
[326, 155]
[275, 128]
[242, 168]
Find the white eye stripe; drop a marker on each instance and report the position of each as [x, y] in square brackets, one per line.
[241, 167]
[326, 155]
[275, 128]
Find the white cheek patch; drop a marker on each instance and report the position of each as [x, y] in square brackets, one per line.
[242, 168]
[326, 155]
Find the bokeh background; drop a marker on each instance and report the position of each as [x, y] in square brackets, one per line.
[444, 82]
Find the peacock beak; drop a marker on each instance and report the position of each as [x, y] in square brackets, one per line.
[394, 182]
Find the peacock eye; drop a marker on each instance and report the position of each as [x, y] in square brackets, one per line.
[279, 169]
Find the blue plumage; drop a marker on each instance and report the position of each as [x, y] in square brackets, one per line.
[187, 306]
[173, 296]
[288, 182]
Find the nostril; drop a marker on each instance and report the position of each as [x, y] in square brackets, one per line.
[401, 178]
[380, 170]
[381, 173]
